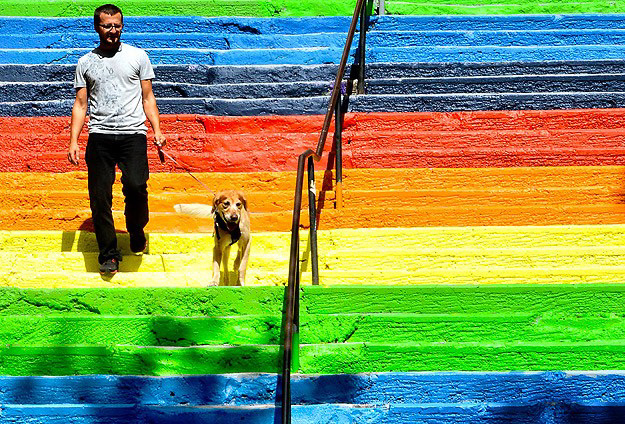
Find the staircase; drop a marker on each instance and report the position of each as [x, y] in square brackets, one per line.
[474, 274]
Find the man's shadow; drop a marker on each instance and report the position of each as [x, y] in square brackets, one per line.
[83, 241]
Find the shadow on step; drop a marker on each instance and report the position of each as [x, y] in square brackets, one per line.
[83, 241]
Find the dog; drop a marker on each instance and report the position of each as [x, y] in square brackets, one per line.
[232, 225]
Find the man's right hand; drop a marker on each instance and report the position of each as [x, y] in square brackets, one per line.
[73, 153]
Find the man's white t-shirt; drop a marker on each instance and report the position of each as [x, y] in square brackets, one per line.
[114, 89]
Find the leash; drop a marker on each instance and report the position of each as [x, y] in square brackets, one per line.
[162, 154]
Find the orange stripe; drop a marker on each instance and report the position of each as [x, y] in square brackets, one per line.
[372, 198]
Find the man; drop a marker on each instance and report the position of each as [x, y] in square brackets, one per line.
[116, 79]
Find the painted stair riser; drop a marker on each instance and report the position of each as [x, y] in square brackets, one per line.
[369, 103]
[40, 91]
[375, 38]
[483, 413]
[250, 330]
[553, 200]
[205, 74]
[314, 359]
[496, 148]
[354, 123]
[320, 55]
[600, 300]
[337, 260]
[365, 389]
[540, 215]
[184, 7]
[319, 24]
[255, 277]
[562, 240]
[501, 8]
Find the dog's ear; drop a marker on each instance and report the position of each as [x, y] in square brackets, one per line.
[219, 198]
[242, 198]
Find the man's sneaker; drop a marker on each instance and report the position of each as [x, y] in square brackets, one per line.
[138, 243]
[110, 266]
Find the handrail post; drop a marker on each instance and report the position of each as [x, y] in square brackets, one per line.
[312, 213]
[338, 136]
[291, 320]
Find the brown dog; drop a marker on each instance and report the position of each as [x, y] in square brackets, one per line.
[232, 225]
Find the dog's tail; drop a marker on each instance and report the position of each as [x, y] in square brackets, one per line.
[195, 209]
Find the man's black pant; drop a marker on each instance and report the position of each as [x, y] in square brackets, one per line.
[129, 152]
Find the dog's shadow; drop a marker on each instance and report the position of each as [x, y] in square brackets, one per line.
[83, 241]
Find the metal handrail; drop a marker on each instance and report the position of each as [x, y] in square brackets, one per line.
[291, 326]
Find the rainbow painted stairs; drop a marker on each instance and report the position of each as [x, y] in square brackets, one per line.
[473, 276]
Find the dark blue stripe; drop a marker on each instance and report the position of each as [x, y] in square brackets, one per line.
[362, 103]
[206, 74]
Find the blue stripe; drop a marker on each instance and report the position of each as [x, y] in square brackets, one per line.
[376, 38]
[393, 398]
[248, 25]
[375, 389]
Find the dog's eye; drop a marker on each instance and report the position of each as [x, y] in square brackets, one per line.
[226, 204]
[239, 205]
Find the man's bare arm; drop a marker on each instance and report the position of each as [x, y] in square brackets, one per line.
[79, 110]
[151, 111]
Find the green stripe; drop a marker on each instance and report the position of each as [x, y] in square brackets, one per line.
[137, 330]
[257, 8]
[320, 358]
[354, 358]
[412, 328]
[477, 7]
[501, 299]
[134, 360]
[315, 329]
[183, 301]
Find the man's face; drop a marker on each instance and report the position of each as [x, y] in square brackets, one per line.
[109, 29]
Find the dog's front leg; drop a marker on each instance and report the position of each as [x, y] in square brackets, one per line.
[240, 263]
[216, 264]
[224, 259]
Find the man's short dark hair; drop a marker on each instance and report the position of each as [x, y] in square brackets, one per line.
[109, 9]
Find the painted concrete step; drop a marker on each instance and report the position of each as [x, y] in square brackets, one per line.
[530, 388]
[335, 328]
[206, 74]
[567, 240]
[504, 8]
[317, 105]
[554, 196]
[140, 330]
[371, 123]
[526, 396]
[349, 358]
[609, 83]
[377, 37]
[588, 300]
[316, 24]
[480, 413]
[176, 7]
[469, 148]
[457, 276]
[335, 259]
[553, 214]
[320, 55]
